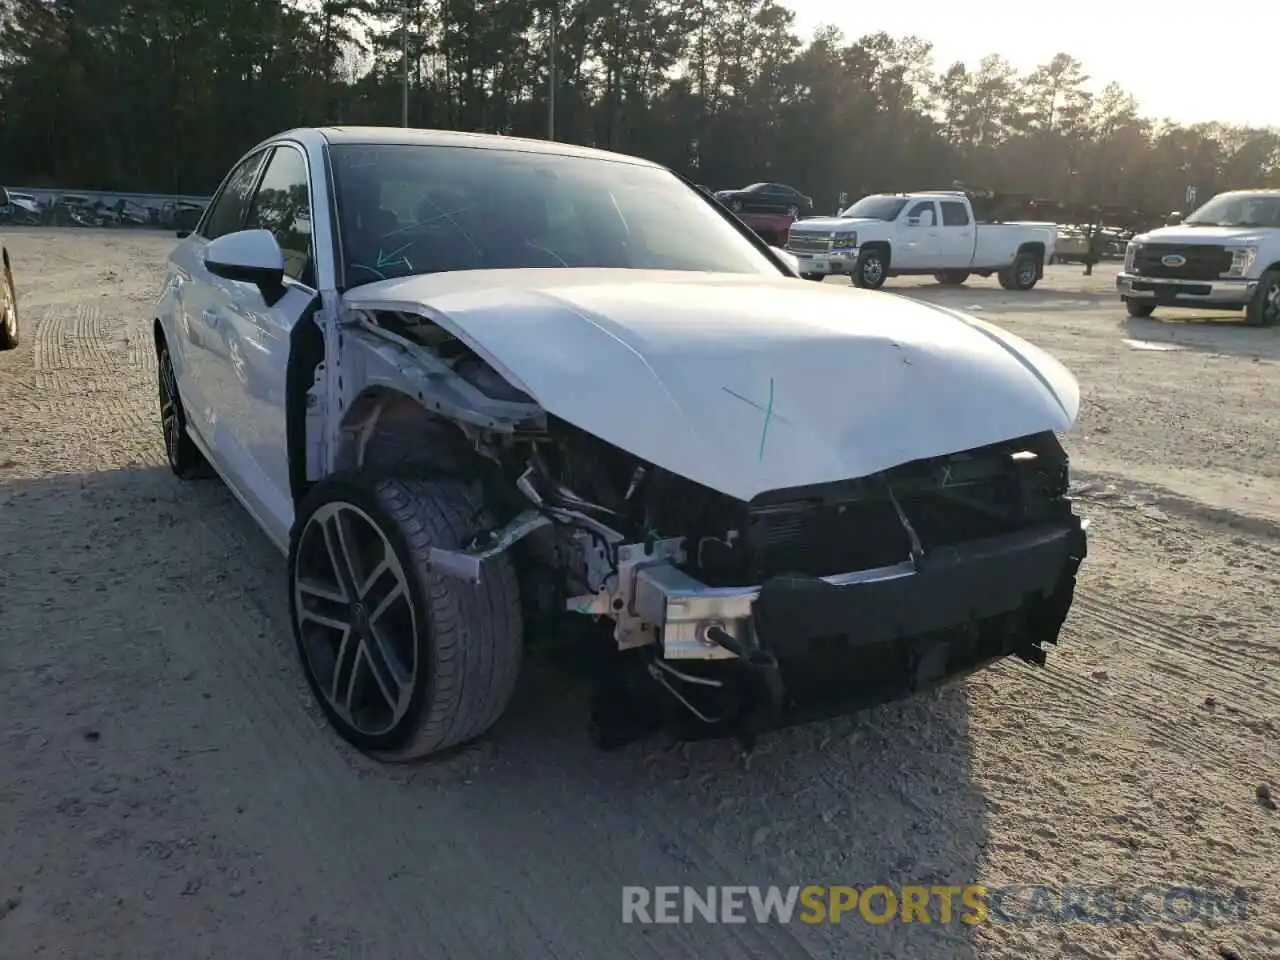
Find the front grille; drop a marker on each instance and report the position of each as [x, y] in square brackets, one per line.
[853, 525]
[803, 244]
[1200, 261]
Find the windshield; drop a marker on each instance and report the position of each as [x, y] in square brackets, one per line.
[407, 209]
[1238, 210]
[877, 207]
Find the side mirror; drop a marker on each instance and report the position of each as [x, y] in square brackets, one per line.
[789, 259]
[248, 256]
[182, 234]
[4, 197]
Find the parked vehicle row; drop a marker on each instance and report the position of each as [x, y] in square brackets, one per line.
[48, 208]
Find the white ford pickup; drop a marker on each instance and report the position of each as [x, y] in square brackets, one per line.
[902, 234]
[1225, 256]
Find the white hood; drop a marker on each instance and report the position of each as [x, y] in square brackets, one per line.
[685, 369]
[827, 224]
[1224, 235]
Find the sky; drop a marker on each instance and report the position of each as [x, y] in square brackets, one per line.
[1180, 60]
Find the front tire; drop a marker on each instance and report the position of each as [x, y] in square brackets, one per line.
[404, 662]
[871, 270]
[8, 311]
[1136, 308]
[1264, 308]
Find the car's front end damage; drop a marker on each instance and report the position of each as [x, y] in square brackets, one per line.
[736, 602]
[812, 600]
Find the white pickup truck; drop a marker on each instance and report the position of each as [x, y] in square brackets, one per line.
[902, 234]
[1225, 256]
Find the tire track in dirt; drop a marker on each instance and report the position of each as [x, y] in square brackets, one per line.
[50, 346]
[1165, 710]
[1195, 660]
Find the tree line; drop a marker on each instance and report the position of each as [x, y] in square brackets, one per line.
[163, 95]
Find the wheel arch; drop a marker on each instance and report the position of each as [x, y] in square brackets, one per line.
[882, 247]
[386, 427]
[1034, 247]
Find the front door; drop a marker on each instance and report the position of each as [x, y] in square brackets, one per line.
[197, 345]
[249, 385]
[917, 235]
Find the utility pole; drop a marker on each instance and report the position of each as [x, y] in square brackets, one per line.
[404, 76]
[551, 69]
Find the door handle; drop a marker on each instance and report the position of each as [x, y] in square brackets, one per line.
[210, 317]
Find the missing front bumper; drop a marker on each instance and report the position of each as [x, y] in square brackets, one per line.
[1030, 573]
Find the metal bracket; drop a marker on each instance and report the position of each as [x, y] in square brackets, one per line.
[467, 564]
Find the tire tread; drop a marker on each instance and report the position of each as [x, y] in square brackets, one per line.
[476, 632]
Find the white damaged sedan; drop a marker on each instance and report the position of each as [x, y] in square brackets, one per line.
[482, 390]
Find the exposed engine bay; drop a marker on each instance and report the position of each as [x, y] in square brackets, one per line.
[728, 604]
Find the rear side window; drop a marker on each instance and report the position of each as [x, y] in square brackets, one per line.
[954, 214]
[227, 212]
[283, 206]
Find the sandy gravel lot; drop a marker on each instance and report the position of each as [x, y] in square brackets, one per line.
[169, 792]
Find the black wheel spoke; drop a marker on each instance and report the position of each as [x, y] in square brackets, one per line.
[391, 675]
[339, 556]
[345, 664]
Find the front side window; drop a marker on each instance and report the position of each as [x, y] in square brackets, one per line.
[920, 209]
[406, 209]
[283, 206]
[227, 213]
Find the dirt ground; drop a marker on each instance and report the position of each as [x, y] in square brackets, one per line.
[168, 790]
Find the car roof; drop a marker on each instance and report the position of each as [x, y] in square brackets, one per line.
[412, 136]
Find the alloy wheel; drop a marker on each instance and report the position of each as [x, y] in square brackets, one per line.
[355, 618]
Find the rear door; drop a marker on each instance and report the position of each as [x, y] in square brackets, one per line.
[248, 375]
[955, 240]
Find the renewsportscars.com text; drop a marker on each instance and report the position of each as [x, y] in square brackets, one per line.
[971, 904]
